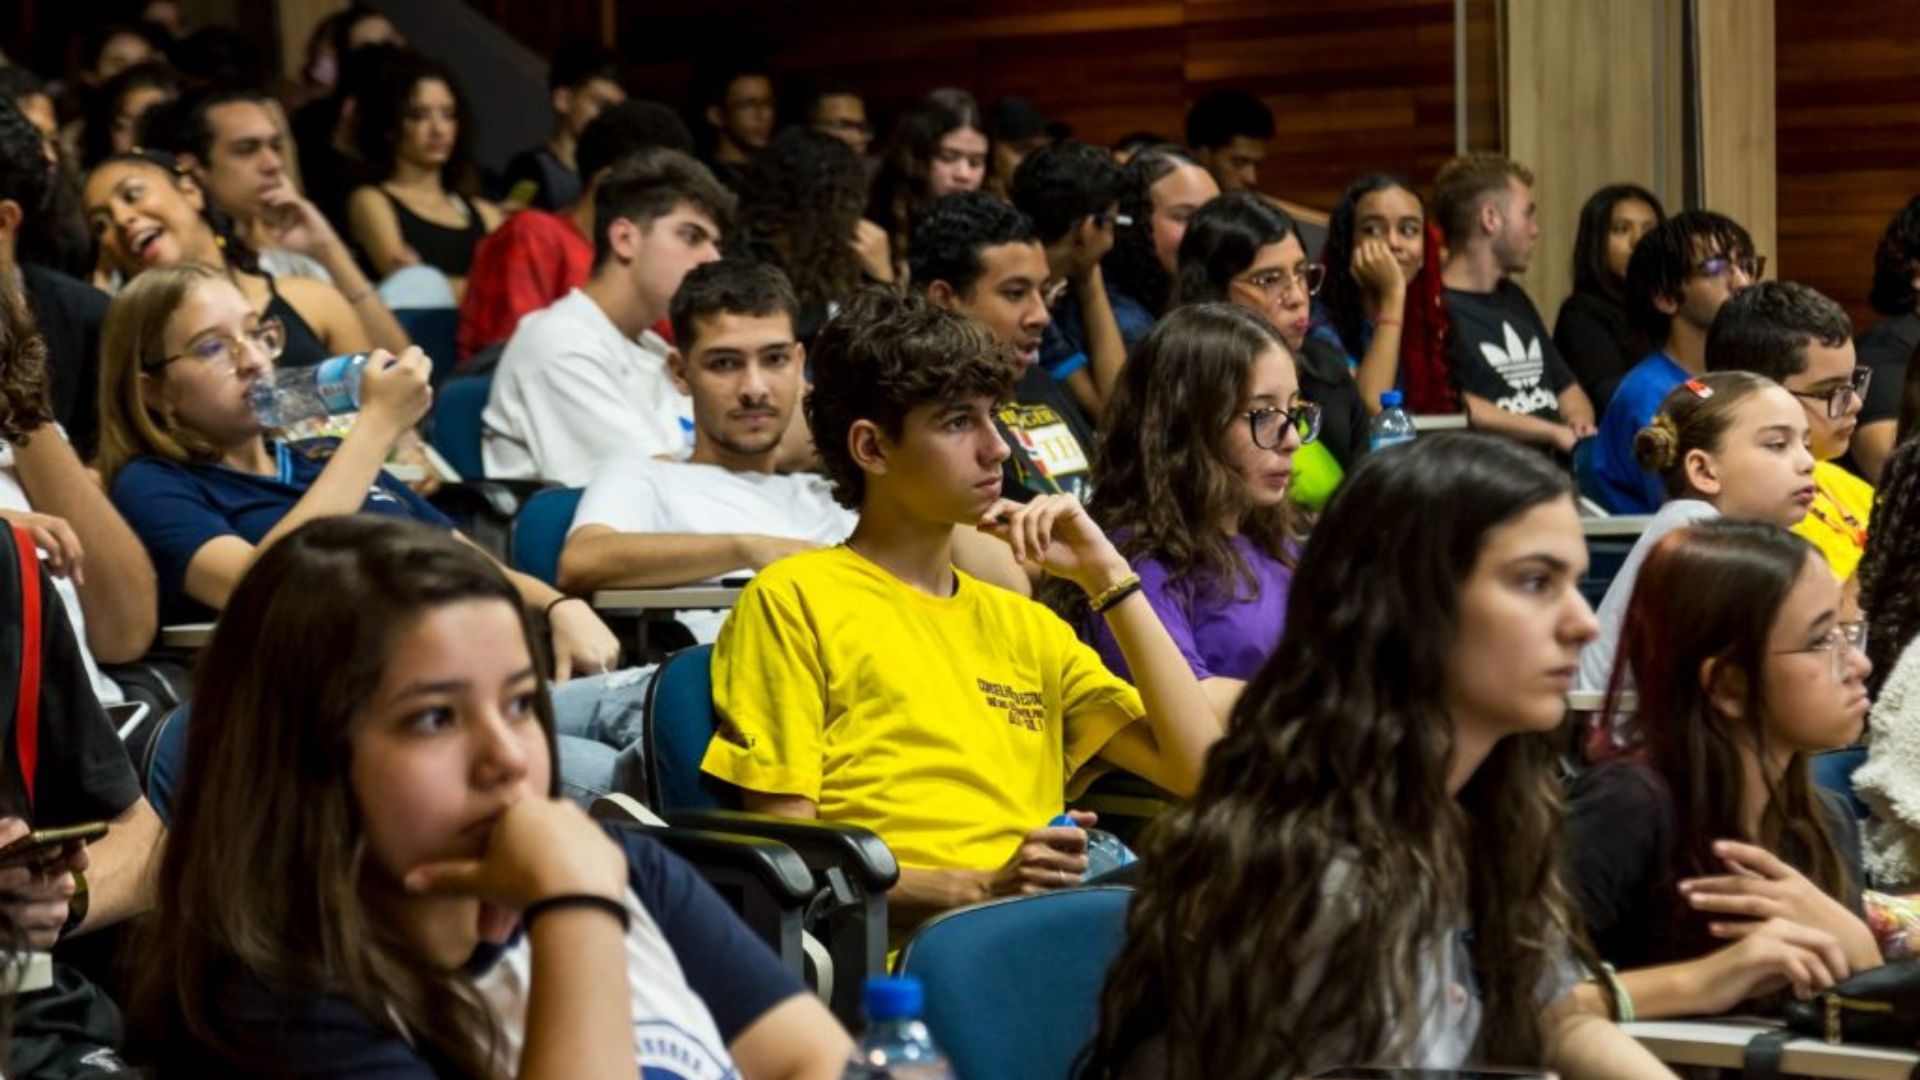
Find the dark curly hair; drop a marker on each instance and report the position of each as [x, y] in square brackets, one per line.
[1890, 569]
[24, 404]
[1663, 260]
[1766, 328]
[800, 200]
[1894, 261]
[26, 177]
[383, 112]
[1323, 843]
[1132, 267]
[881, 356]
[103, 106]
[627, 128]
[947, 245]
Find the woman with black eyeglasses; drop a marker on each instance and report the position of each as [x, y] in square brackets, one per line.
[1240, 249]
[1195, 463]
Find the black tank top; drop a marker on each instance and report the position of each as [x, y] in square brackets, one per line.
[303, 347]
[449, 251]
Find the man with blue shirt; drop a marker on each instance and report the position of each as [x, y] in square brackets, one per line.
[1678, 276]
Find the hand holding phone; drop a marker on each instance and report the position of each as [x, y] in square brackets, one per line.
[38, 845]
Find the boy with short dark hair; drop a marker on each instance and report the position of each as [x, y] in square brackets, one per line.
[577, 383]
[583, 79]
[1677, 278]
[873, 683]
[978, 257]
[1228, 131]
[1804, 341]
[1072, 193]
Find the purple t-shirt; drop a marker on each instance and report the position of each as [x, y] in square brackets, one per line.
[1223, 629]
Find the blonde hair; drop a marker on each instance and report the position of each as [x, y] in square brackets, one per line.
[1694, 416]
[1463, 184]
[131, 341]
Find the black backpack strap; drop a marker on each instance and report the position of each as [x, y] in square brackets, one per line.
[1761, 1061]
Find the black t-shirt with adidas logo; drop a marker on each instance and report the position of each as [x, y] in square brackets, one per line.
[1504, 353]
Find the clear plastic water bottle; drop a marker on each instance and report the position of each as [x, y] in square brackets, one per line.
[897, 1045]
[290, 395]
[1393, 426]
[1105, 852]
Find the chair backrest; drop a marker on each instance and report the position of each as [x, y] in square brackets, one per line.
[678, 726]
[540, 531]
[436, 331]
[456, 423]
[1013, 986]
[1833, 770]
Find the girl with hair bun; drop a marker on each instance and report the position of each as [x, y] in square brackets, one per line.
[1728, 444]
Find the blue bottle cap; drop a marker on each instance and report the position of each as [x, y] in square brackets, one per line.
[1063, 821]
[889, 999]
[1391, 399]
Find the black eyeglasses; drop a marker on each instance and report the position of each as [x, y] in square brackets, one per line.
[1269, 426]
[1841, 398]
[1720, 265]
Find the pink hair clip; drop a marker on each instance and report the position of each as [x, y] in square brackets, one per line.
[1700, 390]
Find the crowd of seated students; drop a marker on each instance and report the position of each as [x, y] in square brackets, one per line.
[1043, 461]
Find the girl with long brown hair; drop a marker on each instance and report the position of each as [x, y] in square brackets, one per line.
[1195, 466]
[369, 871]
[1368, 873]
[1710, 868]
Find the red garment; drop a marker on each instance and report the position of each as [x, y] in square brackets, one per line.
[527, 263]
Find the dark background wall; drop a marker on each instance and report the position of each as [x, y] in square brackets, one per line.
[1357, 84]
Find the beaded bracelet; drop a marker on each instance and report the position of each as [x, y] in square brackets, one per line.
[1106, 601]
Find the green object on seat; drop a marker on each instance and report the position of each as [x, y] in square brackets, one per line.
[1316, 474]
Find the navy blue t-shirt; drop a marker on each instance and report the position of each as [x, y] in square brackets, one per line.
[735, 976]
[176, 509]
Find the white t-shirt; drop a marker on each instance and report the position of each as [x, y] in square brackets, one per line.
[14, 497]
[634, 492]
[571, 391]
[1597, 659]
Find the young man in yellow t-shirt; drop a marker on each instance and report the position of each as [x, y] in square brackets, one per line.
[873, 683]
[1804, 341]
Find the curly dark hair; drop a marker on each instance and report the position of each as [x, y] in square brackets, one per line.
[1064, 183]
[383, 111]
[1166, 481]
[1426, 363]
[1663, 260]
[1131, 267]
[103, 106]
[25, 175]
[1767, 327]
[800, 200]
[882, 355]
[24, 404]
[947, 245]
[1894, 261]
[1890, 569]
[1323, 838]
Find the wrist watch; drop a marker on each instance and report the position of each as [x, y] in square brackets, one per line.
[76, 906]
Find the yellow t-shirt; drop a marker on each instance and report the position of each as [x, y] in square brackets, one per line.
[951, 727]
[1836, 523]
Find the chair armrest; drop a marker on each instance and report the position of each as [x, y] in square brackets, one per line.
[819, 843]
[767, 861]
[467, 498]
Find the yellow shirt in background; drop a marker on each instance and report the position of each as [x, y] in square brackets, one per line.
[1836, 523]
[951, 727]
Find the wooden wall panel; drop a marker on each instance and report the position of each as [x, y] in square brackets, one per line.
[1356, 86]
[1848, 122]
[1737, 77]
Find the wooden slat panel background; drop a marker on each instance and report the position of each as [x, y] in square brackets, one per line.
[1848, 116]
[1357, 86]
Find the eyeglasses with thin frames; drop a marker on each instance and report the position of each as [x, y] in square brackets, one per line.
[1268, 426]
[220, 352]
[1275, 283]
[1838, 643]
[1841, 398]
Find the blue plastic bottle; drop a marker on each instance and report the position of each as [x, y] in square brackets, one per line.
[1105, 852]
[1393, 426]
[290, 395]
[897, 1045]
